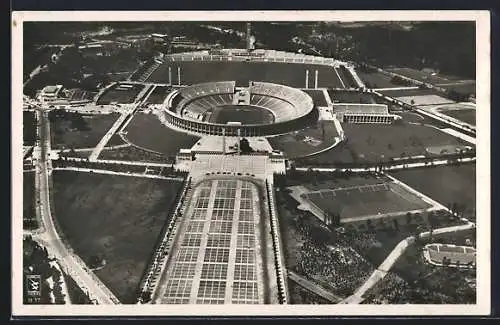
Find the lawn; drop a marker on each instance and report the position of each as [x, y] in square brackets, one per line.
[29, 213]
[445, 184]
[317, 96]
[114, 94]
[290, 74]
[307, 141]
[29, 128]
[410, 92]
[378, 142]
[465, 115]
[354, 97]
[89, 209]
[146, 131]
[424, 76]
[86, 133]
[158, 95]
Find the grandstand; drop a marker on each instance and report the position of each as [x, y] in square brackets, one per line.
[364, 113]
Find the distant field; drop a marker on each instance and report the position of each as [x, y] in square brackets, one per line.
[317, 96]
[410, 92]
[307, 141]
[89, 217]
[145, 130]
[424, 76]
[120, 96]
[63, 134]
[29, 128]
[462, 88]
[465, 115]
[158, 95]
[375, 80]
[375, 142]
[243, 72]
[445, 184]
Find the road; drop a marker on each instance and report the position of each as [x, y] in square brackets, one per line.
[100, 146]
[313, 287]
[50, 238]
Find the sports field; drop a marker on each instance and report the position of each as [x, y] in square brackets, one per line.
[80, 132]
[425, 76]
[465, 115]
[445, 184]
[365, 200]
[146, 131]
[375, 80]
[376, 142]
[289, 74]
[29, 128]
[410, 92]
[317, 96]
[158, 95]
[307, 141]
[88, 215]
[241, 113]
[119, 95]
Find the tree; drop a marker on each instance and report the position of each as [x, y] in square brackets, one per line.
[408, 218]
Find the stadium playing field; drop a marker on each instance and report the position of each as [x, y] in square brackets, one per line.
[217, 257]
[120, 94]
[457, 255]
[290, 74]
[358, 201]
[90, 208]
[146, 131]
[246, 114]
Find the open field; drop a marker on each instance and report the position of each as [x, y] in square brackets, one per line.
[445, 184]
[118, 95]
[88, 215]
[289, 74]
[146, 131]
[158, 95]
[29, 128]
[410, 92]
[375, 80]
[461, 88]
[376, 142]
[241, 113]
[307, 141]
[72, 131]
[465, 115]
[29, 214]
[317, 96]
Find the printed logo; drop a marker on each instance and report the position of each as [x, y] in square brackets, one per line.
[34, 285]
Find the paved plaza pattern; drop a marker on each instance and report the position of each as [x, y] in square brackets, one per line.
[216, 257]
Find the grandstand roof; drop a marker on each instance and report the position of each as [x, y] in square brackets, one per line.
[378, 109]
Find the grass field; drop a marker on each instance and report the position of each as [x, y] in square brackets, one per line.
[29, 128]
[376, 142]
[90, 208]
[64, 136]
[307, 141]
[158, 95]
[317, 96]
[461, 88]
[145, 130]
[240, 113]
[445, 184]
[410, 92]
[132, 153]
[114, 94]
[424, 76]
[465, 115]
[375, 80]
[242, 72]
[29, 213]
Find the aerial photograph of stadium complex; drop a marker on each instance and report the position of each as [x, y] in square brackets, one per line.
[235, 162]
